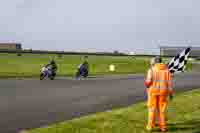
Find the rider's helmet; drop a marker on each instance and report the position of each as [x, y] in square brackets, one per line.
[157, 59]
[85, 58]
[52, 62]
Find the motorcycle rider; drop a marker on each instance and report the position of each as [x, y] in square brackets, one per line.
[85, 63]
[84, 67]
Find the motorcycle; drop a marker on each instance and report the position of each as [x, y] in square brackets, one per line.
[46, 72]
[82, 72]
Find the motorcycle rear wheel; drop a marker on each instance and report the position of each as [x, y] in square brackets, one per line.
[52, 77]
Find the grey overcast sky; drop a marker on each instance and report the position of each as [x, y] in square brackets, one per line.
[100, 25]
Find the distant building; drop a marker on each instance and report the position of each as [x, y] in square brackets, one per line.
[172, 51]
[10, 46]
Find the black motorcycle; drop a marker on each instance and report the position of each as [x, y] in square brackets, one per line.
[82, 72]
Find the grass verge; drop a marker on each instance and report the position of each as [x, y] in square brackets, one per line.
[29, 65]
[183, 115]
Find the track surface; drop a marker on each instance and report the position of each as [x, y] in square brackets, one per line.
[32, 103]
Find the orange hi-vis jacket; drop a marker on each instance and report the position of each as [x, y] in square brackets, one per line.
[159, 80]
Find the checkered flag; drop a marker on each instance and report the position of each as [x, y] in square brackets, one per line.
[178, 63]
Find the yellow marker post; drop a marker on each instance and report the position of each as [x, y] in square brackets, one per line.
[112, 68]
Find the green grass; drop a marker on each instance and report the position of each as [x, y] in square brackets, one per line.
[183, 116]
[29, 65]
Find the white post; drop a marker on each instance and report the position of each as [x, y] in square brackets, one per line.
[112, 68]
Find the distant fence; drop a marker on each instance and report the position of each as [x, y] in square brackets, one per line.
[68, 53]
[76, 53]
[58, 52]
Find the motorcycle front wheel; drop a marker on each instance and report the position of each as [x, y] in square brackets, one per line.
[41, 76]
[77, 74]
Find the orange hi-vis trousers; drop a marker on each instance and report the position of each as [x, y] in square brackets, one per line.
[157, 105]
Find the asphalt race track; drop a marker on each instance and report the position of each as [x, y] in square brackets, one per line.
[32, 103]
